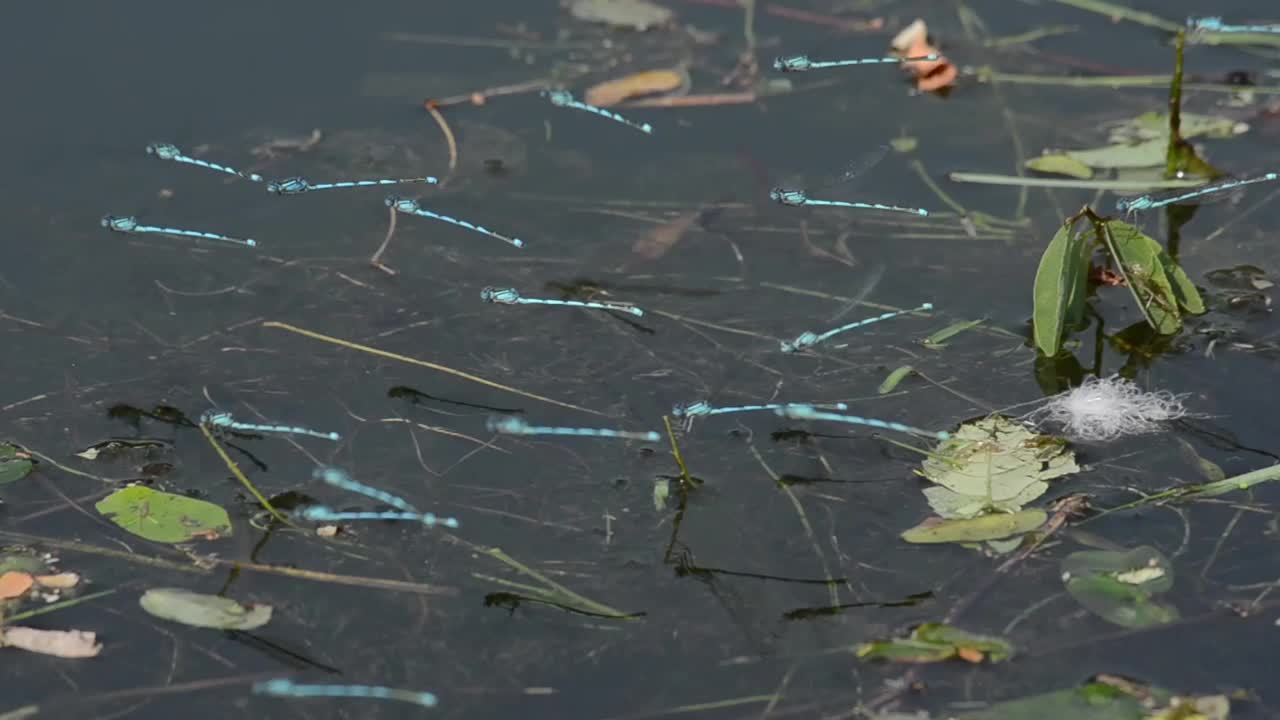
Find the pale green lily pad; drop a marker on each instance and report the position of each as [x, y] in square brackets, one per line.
[994, 464]
[986, 527]
[164, 517]
[200, 610]
[14, 463]
[1119, 586]
[934, 642]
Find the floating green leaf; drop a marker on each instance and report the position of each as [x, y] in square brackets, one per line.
[993, 464]
[895, 377]
[933, 642]
[200, 610]
[14, 463]
[978, 529]
[938, 340]
[1060, 286]
[164, 517]
[1060, 164]
[1118, 586]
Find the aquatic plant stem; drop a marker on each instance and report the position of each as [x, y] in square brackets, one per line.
[55, 606]
[422, 363]
[1115, 12]
[1114, 185]
[235, 470]
[675, 452]
[1173, 158]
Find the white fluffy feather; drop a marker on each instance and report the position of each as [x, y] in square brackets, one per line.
[1102, 409]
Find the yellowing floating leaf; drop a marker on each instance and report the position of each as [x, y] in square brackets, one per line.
[933, 642]
[650, 82]
[200, 610]
[164, 517]
[986, 527]
[61, 581]
[60, 643]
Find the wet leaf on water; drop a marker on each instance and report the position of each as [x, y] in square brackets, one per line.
[200, 610]
[985, 527]
[1060, 164]
[649, 82]
[895, 378]
[1119, 586]
[1124, 156]
[993, 464]
[1208, 707]
[1060, 287]
[15, 463]
[59, 643]
[934, 642]
[164, 517]
[938, 340]
[634, 14]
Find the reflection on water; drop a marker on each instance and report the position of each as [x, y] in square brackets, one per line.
[786, 555]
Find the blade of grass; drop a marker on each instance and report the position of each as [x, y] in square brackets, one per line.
[421, 363]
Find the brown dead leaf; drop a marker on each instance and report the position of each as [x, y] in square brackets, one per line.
[931, 75]
[649, 82]
[14, 584]
[61, 581]
[59, 643]
[972, 655]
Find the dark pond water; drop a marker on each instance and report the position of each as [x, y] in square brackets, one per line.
[95, 319]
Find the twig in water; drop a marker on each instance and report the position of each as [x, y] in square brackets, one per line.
[376, 259]
[422, 363]
[433, 108]
[235, 470]
[480, 96]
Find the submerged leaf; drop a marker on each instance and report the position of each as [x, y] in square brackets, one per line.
[164, 517]
[200, 610]
[1118, 586]
[985, 527]
[1060, 164]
